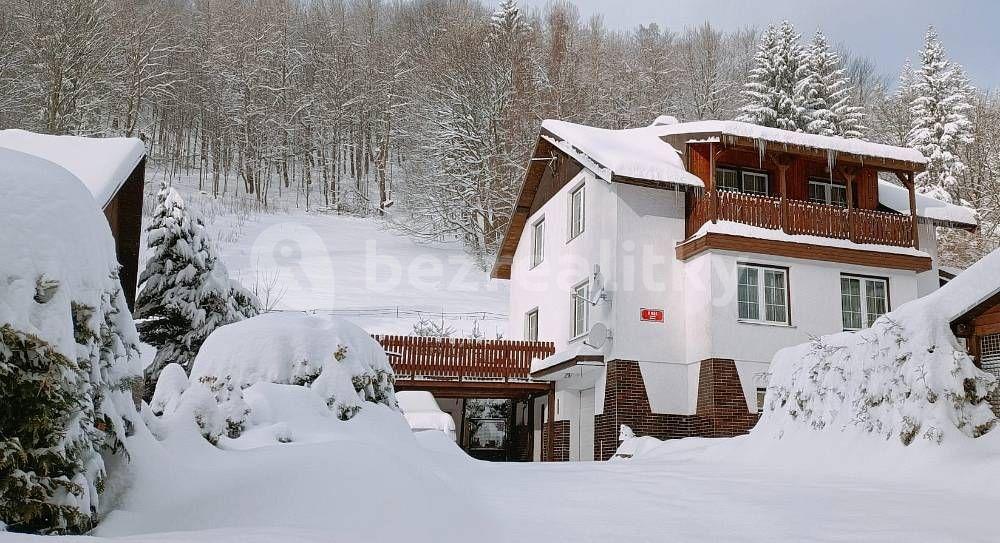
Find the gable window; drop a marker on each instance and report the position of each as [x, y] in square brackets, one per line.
[827, 192]
[750, 182]
[580, 307]
[762, 294]
[761, 396]
[576, 212]
[531, 325]
[862, 300]
[537, 242]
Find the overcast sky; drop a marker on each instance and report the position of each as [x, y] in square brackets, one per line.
[888, 32]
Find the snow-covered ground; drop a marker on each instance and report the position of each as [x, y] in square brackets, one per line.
[380, 279]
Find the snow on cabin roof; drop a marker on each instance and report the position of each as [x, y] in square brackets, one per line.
[969, 289]
[102, 164]
[898, 198]
[777, 135]
[633, 152]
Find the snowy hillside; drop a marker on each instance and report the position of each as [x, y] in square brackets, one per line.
[348, 266]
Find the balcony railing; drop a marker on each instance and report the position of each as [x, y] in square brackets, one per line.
[462, 359]
[800, 217]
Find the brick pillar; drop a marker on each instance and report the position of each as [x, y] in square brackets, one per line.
[560, 445]
[626, 402]
[722, 407]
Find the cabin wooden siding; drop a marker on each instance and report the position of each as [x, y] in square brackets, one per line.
[124, 215]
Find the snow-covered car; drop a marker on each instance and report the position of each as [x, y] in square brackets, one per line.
[422, 412]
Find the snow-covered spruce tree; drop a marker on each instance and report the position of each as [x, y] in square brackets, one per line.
[68, 351]
[769, 93]
[940, 123]
[825, 93]
[186, 292]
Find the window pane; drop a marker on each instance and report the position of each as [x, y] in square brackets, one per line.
[775, 309]
[576, 213]
[755, 183]
[874, 300]
[580, 310]
[538, 243]
[817, 192]
[850, 302]
[746, 293]
[531, 333]
[727, 179]
[838, 195]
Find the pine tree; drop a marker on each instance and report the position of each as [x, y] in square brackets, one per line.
[940, 123]
[769, 93]
[825, 94]
[185, 292]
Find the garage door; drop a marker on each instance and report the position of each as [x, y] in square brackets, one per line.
[587, 424]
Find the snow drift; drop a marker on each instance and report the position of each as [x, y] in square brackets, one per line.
[905, 378]
[338, 361]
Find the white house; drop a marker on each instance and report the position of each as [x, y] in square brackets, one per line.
[669, 263]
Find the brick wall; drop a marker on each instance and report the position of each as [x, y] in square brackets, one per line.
[721, 411]
[560, 447]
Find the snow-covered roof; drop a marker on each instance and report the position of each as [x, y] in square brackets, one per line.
[103, 164]
[777, 135]
[975, 285]
[633, 152]
[898, 198]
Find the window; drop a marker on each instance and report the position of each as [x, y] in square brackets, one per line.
[727, 179]
[755, 183]
[581, 308]
[762, 294]
[862, 300]
[538, 242]
[576, 212]
[741, 181]
[761, 395]
[531, 325]
[827, 192]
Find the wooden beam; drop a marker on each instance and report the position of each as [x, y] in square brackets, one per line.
[907, 180]
[551, 415]
[713, 190]
[821, 154]
[783, 161]
[843, 255]
[849, 173]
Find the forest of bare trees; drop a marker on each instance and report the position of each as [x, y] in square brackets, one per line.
[423, 110]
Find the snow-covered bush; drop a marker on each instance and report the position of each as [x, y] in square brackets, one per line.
[340, 362]
[186, 292]
[68, 349]
[905, 378]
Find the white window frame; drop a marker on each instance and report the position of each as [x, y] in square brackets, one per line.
[528, 318]
[579, 301]
[761, 287]
[736, 178]
[761, 396]
[576, 227]
[537, 242]
[828, 191]
[866, 318]
[751, 173]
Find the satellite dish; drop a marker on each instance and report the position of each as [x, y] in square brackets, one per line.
[598, 336]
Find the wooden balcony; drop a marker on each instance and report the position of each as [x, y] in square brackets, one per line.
[801, 217]
[456, 359]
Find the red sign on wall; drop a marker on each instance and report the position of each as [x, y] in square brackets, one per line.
[651, 315]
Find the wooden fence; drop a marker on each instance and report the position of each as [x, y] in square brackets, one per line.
[415, 357]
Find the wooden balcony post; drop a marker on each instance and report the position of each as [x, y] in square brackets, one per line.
[714, 193]
[911, 187]
[849, 174]
[783, 161]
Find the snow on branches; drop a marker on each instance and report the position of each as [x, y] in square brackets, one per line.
[186, 292]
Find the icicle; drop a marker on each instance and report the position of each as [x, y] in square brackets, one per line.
[761, 146]
[831, 160]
